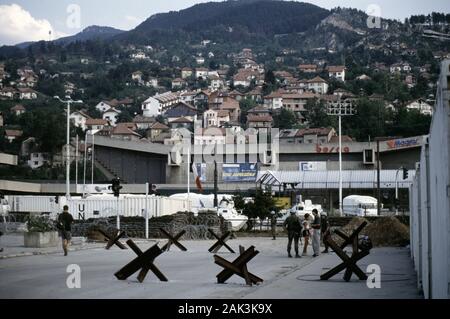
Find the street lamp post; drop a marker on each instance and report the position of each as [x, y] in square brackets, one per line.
[68, 101]
[84, 166]
[340, 108]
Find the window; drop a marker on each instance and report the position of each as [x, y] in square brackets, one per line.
[369, 156]
[36, 163]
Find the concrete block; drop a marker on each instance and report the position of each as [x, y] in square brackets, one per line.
[41, 240]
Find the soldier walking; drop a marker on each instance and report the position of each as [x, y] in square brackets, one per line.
[65, 221]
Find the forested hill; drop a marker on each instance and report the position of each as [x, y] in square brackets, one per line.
[263, 17]
[91, 33]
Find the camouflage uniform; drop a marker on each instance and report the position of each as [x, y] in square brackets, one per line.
[294, 228]
[273, 224]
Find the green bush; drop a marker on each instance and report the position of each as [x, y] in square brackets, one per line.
[40, 224]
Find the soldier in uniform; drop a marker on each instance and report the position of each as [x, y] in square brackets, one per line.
[325, 232]
[273, 224]
[294, 228]
[316, 225]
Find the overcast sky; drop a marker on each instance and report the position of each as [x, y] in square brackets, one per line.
[31, 20]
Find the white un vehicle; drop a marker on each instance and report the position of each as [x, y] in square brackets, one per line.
[356, 205]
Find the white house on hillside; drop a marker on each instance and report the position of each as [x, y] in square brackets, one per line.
[79, 119]
[38, 159]
[27, 94]
[201, 73]
[111, 115]
[215, 118]
[337, 72]
[318, 85]
[103, 106]
[422, 106]
[274, 101]
[157, 104]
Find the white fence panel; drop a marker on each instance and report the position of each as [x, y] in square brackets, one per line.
[430, 201]
[32, 204]
[101, 206]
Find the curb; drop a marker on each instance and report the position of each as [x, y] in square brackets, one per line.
[40, 253]
[54, 252]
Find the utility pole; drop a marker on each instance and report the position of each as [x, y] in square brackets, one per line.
[76, 165]
[146, 209]
[340, 166]
[188, 168]
[340, 108]
[92, 159]
[378, 179]
[84, 166]
[68, 102]
[216, 202]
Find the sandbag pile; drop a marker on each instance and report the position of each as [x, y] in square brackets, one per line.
[196, 227]
[383, 232]
[388, 232]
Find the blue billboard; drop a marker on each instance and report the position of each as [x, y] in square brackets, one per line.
[238, 173]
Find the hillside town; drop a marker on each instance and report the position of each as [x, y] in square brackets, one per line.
[221, 129]
[244, 95]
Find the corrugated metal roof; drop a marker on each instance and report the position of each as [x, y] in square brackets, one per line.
[357, 179]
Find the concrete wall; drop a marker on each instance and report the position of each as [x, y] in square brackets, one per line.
[8, 159]
[41, 240]
[132, 166]
[430, 201]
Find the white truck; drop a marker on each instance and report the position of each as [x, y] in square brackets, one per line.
[5, 208]
[301, 210]
[356, 205]
[201, 203]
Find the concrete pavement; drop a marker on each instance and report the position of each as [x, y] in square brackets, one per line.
[192, 274]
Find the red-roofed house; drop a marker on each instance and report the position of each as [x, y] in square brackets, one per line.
[11, 135]
[307, 68]
[18, 109]
[259, 121]
[320, 135]
[337, 72]
[96, 124]
[124, 132]
[318, 85]
[215, 117]
[27, 94]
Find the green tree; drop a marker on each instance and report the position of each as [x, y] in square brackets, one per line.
[286, 119]
[239, 202]
[409, 123]
[245, 105]
[368, 122]
[316, 114]
[47, 126]
[261, 205]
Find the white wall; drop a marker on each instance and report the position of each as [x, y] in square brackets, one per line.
[151, 107]
[430, 201]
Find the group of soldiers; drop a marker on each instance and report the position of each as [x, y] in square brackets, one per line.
[309, 228]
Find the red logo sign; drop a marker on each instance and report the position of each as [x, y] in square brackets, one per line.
[329, 150]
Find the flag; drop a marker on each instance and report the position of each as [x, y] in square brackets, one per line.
[197, 177]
